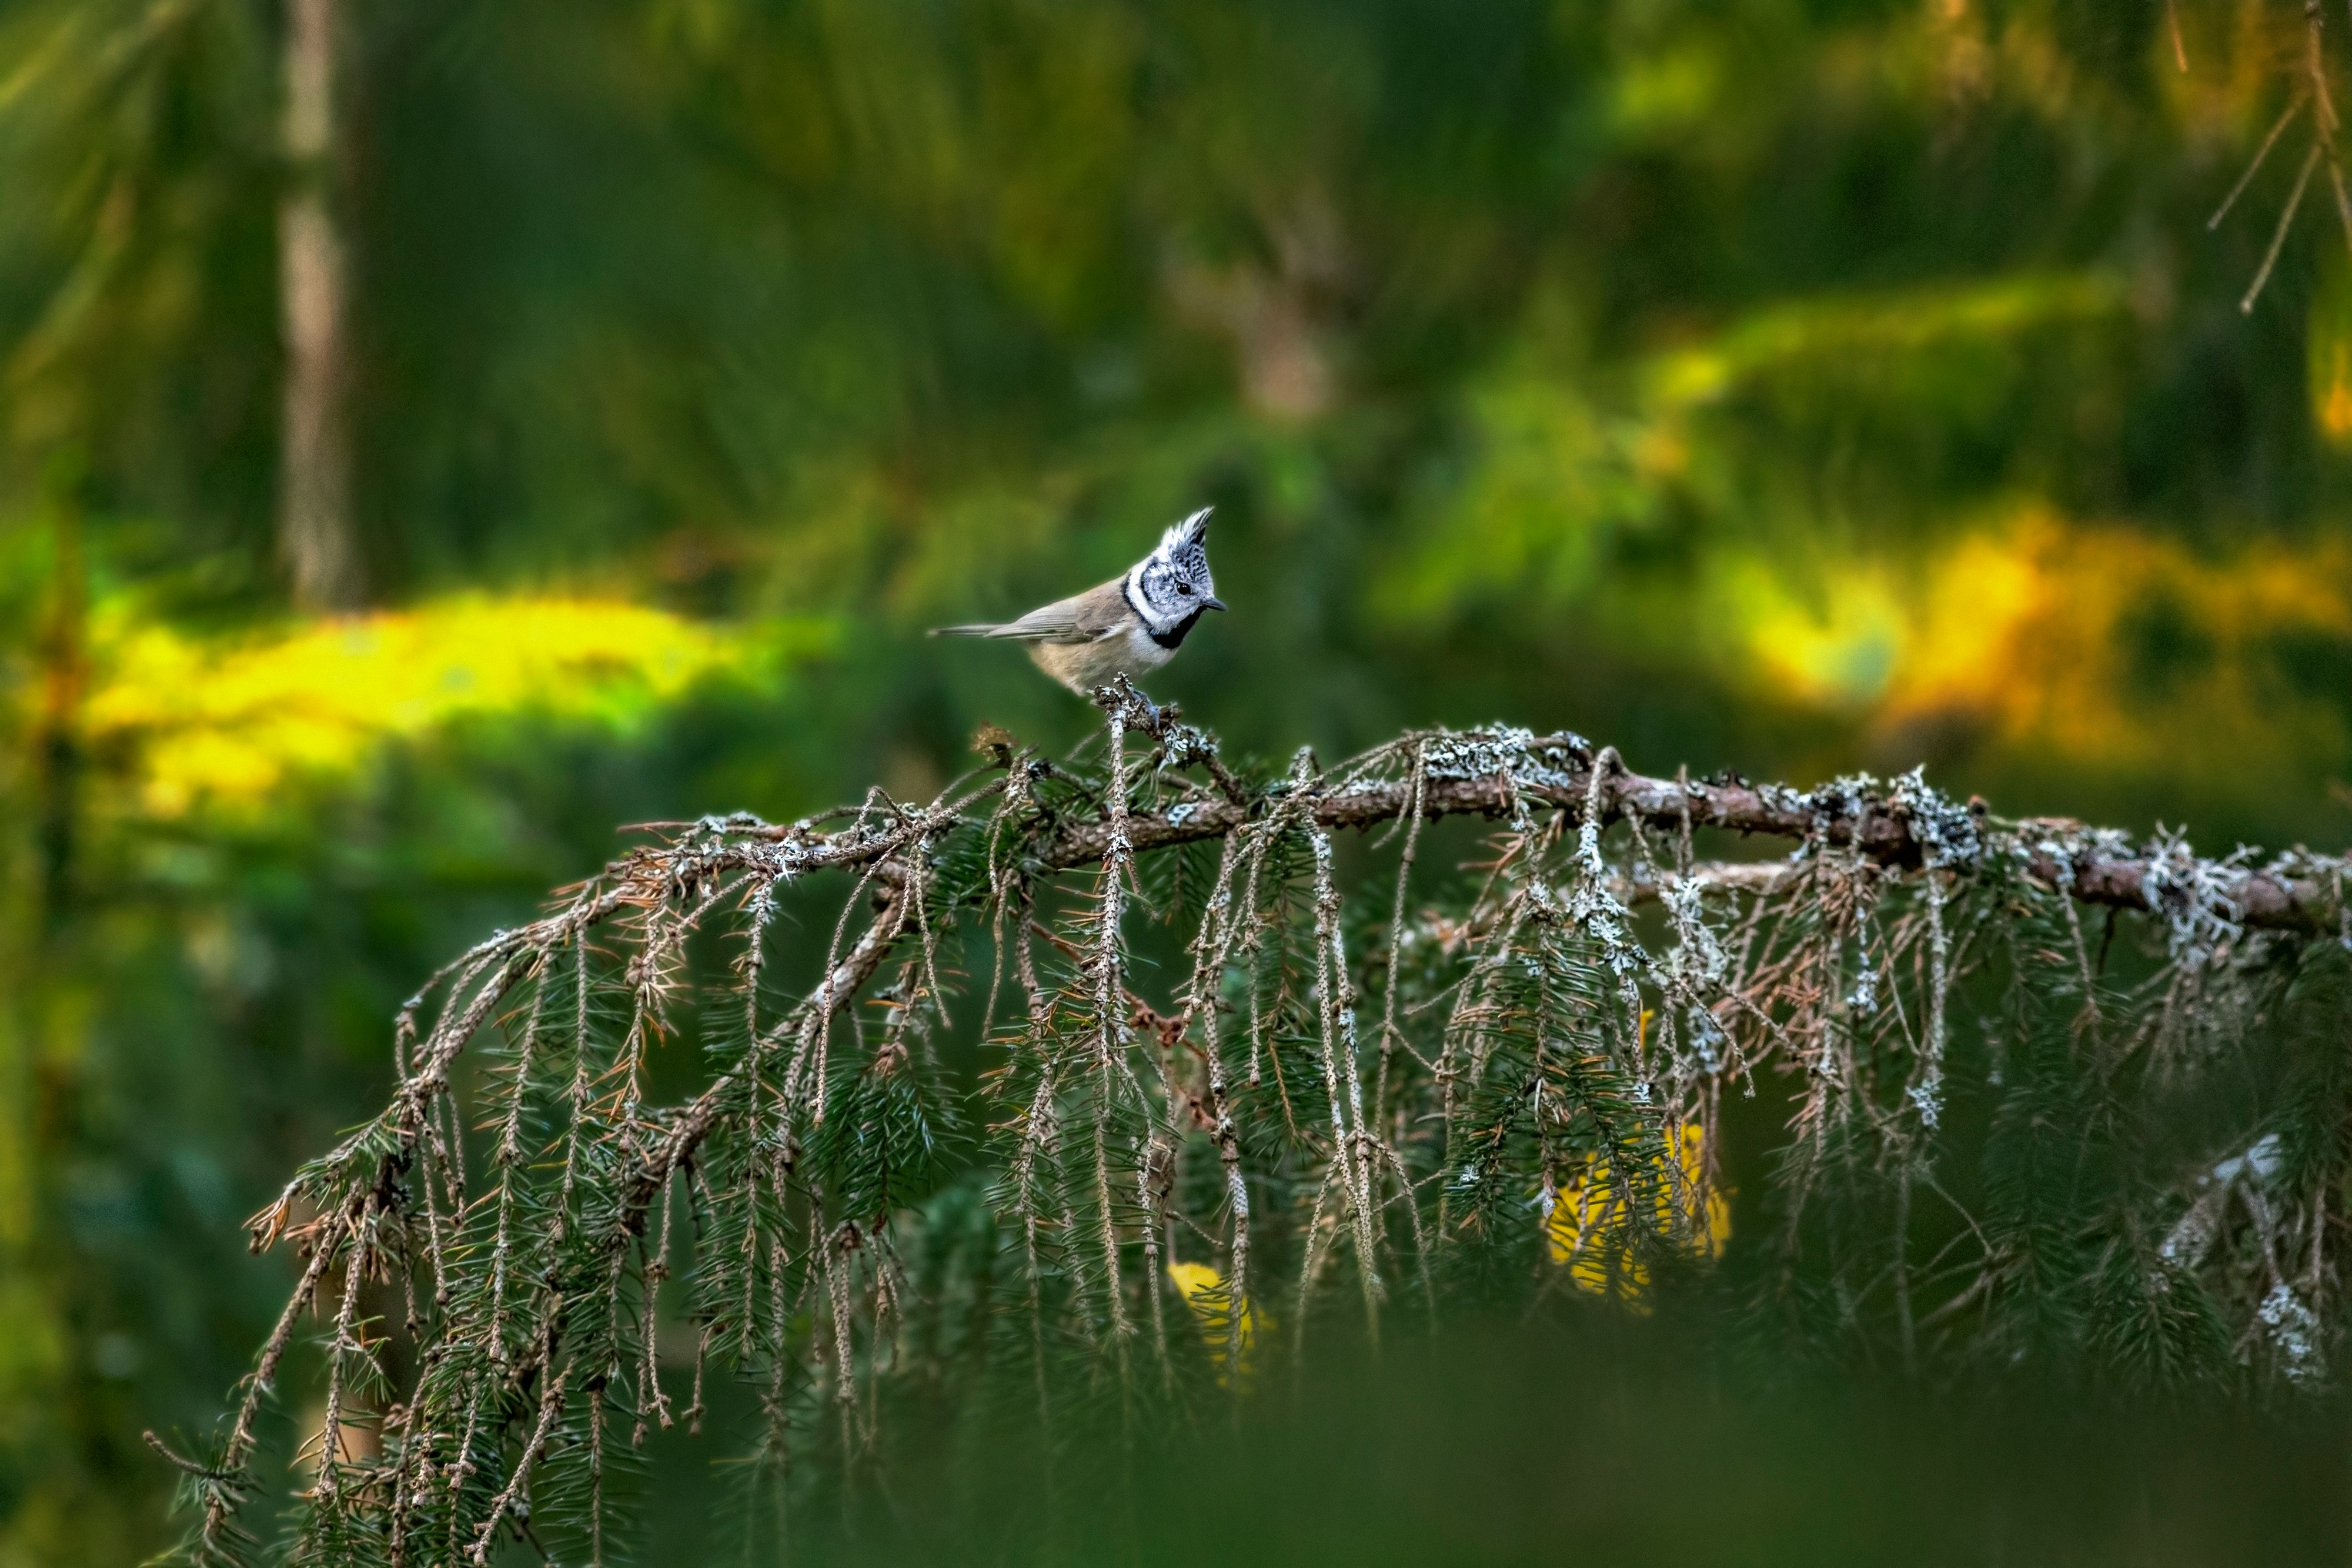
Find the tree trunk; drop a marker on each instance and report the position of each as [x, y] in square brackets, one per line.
[315, 538]
[57, 738]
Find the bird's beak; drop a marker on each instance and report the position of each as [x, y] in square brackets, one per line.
[1213, 602]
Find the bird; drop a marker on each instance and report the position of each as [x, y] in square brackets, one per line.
[1128, 626]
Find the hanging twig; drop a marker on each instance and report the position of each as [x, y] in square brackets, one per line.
[2278, 235]
[2294, 106]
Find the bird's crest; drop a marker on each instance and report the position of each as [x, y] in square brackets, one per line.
[1190, 531]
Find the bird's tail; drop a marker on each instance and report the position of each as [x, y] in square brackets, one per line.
[980, 630]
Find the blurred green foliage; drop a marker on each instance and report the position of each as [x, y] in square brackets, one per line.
[1786, 384]
[1505, 1446]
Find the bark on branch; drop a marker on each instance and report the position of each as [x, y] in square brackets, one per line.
[2263, 898]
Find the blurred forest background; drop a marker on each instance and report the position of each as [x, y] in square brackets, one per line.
[434, 434]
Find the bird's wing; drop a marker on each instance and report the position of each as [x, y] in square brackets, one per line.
[1086, 617]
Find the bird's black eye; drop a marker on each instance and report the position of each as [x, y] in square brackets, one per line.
[1185, 589]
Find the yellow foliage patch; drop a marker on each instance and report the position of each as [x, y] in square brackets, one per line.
[2105, 644]
[214, 724]
[1594, 1208]
[1205, 1292]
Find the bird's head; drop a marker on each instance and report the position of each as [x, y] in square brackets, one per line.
[1171, 585]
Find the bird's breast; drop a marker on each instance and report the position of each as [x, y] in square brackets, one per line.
[1130, 651]
[1148, 650]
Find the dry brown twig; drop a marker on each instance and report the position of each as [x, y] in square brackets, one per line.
[2311, 88]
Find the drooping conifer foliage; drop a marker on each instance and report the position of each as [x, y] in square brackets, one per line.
[2036, 1096]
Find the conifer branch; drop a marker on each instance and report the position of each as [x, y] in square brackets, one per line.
[2056, 851]
[1548, 1066]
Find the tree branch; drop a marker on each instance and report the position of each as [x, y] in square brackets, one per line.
[2057, 852]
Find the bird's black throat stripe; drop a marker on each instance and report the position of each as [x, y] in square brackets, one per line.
[1174, 639]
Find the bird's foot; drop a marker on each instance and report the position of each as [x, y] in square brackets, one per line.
[1119, 696]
